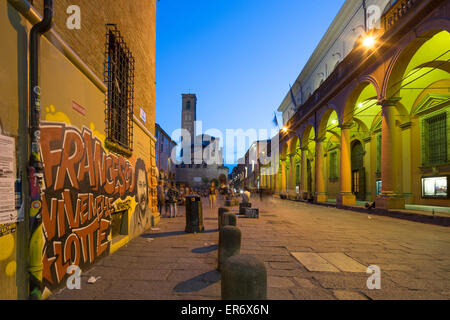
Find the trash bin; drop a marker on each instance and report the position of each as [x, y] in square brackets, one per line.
[194, 215]
[243, 206]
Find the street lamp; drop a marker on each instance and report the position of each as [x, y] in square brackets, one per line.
[369, 41]
[368, 38]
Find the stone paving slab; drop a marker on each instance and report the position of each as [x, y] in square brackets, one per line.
[343, 262]
[168, 264]
[314, 262]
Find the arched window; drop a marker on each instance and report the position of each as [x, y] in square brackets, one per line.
[188, 105]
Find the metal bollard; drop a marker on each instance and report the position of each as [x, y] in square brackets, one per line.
[229, 219]
[229, 243]
[221, 212]
[244, 277]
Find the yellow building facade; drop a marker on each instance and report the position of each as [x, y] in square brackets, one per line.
[88, 172]
[378, 127]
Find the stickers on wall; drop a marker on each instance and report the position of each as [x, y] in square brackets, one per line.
[8, 213]
[143, 115]
[7, 229]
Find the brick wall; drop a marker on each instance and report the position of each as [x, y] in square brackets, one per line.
[136, 21]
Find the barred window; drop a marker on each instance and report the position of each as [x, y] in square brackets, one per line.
[379, 152]
[119, 78]
[333, 165]
[434, 139]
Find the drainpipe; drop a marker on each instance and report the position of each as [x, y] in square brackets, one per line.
[35, 103]
[35, 168]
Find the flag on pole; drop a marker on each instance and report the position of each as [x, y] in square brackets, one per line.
[293, 98]
[275, 120]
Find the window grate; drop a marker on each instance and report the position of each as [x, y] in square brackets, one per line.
[434, 137]
[333, 165]
[379, 152]
[119, 78]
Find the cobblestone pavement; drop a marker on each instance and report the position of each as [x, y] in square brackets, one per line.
[169, 264]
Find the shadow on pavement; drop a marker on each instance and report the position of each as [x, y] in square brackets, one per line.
[163, 234]
[205, 249]
[172, 233]
[199, 282]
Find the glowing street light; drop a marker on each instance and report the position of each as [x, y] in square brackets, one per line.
[369, 41]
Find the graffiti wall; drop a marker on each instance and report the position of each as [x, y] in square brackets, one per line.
[84, 187]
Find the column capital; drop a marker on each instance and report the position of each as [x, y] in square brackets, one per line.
[392, 102]
[366, 140]
[406, 125]
[346, 126]
[320, 139]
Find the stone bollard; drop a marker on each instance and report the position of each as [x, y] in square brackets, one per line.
[244, 277]
[221, 212]
[229, 219]
[229, 243]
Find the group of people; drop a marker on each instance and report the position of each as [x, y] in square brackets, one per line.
[167, 199]
[169, 196]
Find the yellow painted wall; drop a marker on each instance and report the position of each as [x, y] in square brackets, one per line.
[13, 101]
[72, 103]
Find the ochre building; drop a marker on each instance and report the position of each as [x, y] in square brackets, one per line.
[79, 105]
[369, 116]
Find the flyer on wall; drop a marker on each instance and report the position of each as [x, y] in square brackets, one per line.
[8, 212]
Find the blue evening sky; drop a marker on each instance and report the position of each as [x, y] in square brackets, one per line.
[237, 56]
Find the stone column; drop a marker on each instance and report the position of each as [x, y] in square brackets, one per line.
[345, 196]
[291, 178]
[302, 172]
[321, 195]
[389, 198]
[369, 182]
[283, 176]
[406, 161]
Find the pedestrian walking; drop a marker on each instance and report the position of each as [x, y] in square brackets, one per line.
[246, 196]
[166, 201]
[212, 191]
[172, 195]
[160, 197]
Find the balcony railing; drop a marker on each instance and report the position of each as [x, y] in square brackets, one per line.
[395, 13]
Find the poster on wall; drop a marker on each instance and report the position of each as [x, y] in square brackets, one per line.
[8, 213]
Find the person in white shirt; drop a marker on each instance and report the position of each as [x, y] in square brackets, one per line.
[246, 196]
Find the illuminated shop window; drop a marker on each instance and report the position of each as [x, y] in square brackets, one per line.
[378, 186]
[435, 187]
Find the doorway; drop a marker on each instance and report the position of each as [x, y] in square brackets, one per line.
[358, 171]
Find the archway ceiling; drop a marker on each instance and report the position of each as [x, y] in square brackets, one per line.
[419, 80]
[332, 128]
[366, 108]
[437, 46]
